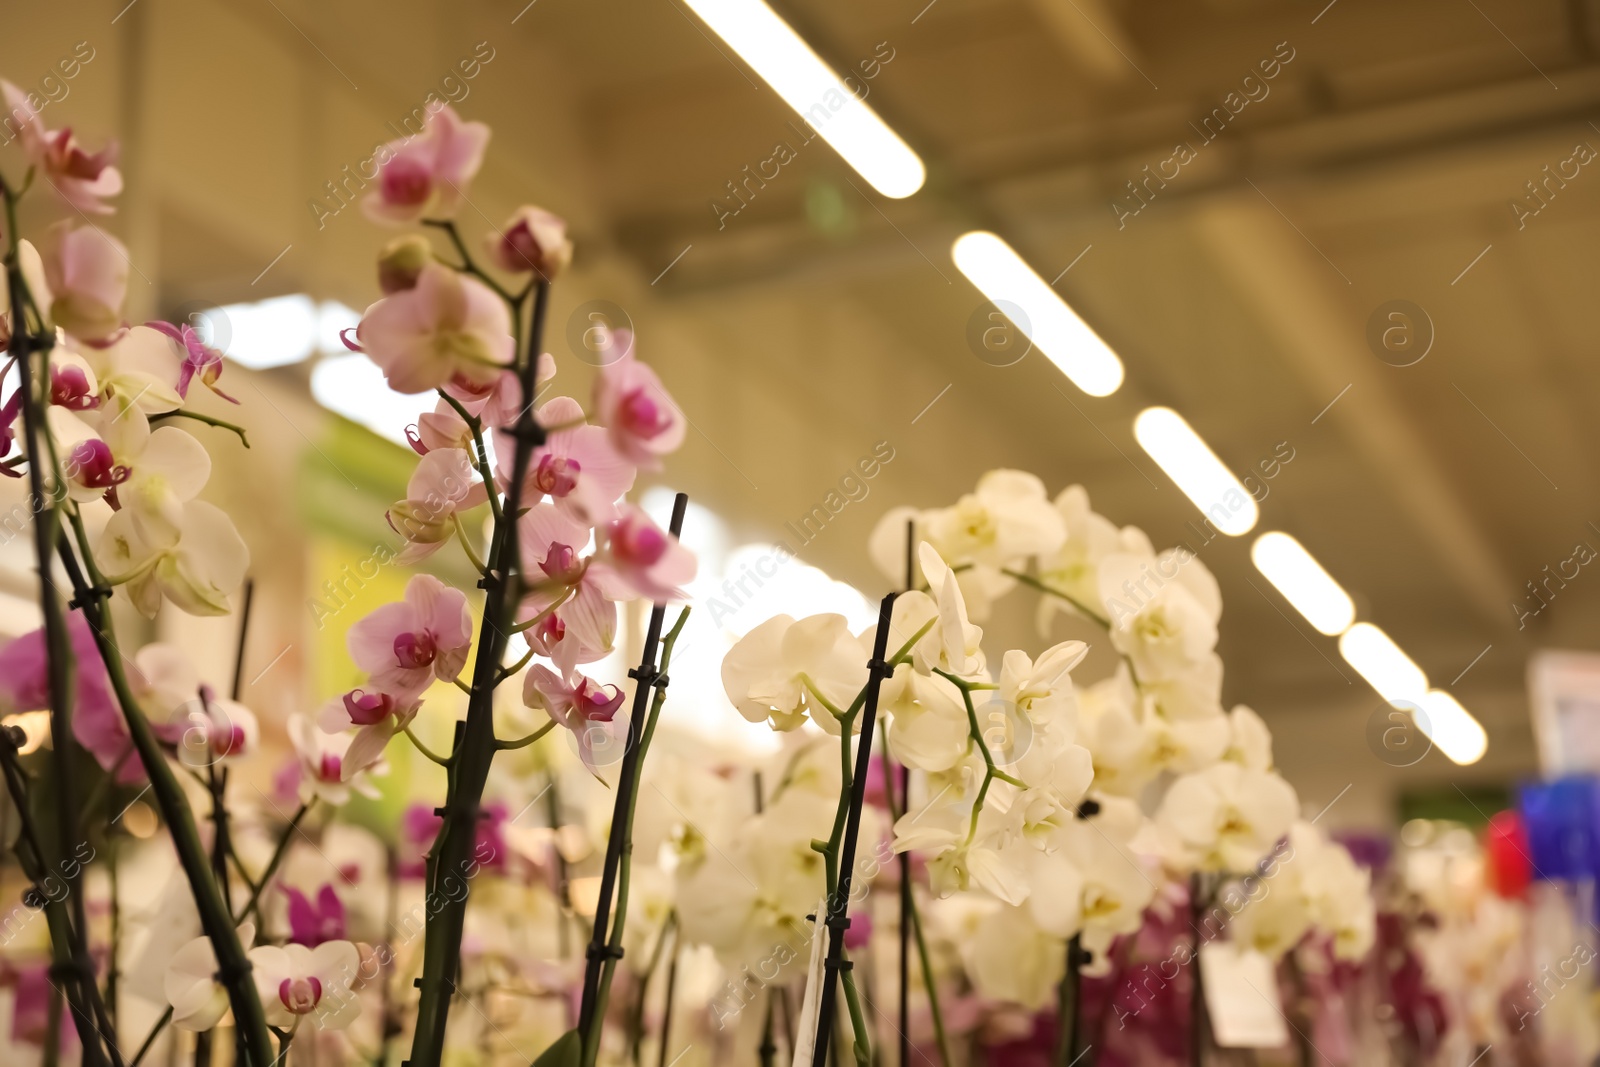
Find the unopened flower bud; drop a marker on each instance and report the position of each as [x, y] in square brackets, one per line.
[533, 240]
[401, 261]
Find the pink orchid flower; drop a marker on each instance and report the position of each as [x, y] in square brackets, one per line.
[637, 558]
[643, 420]
[577, 702]
[198, 358]
[208, 730]
[439, 428]
[447, 327]
[86, 270]
[312, 923]
[441, 488]
[576, 467]
[404, 646]
[532, 240]
[428, 175]
[499, 403]
[326, 771]
[80, 178]
[584, 629]
[376, 717]
[97, 720]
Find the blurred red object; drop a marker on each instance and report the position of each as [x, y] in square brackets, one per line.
[1506, 842]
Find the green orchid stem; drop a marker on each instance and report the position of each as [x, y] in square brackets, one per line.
[1050, 590]
[591, 1037]
[481, 459]
[68, 936]
[215, 918]
[432, 756]
[253, 905]
[990, 771]
[209, 420]
[451, 857]
[469, 265]
[466, 545]
[524, 742]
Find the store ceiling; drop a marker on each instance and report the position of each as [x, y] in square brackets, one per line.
[1379, 164]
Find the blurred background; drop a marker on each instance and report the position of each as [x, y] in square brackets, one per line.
[1420, 158]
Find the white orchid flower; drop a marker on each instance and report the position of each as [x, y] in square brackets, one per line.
[198, 999]
[1227, 817]
[196, 571]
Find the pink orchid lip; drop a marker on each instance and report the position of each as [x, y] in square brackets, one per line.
[595, 703]
[638, 541]
[641, 416]
[330, 768]
[561, 562]
[367, 708]
[300, 995]
[556, 475]
[406, 182]
[415, 649]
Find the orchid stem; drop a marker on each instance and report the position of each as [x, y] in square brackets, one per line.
[424, 749]
[209, 420]
[524, 742]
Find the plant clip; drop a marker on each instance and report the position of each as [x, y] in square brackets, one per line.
[531, 432]
[604, 952]
[63, 971]
[1088, 809]
[880, 668]
[90, 593]
[648, 676]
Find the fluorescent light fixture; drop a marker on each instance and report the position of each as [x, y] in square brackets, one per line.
[1303, 582]
[352, 385]
[275, 332]
[806, 84]
[1451, 727]
[1065, 339]
[1189, 461]
[1379, 660]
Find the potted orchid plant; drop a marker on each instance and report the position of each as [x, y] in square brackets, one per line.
[101, 422]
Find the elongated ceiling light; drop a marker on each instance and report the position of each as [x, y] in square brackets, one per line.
[1380, 661]
[1450, 726]
[1303, 583]
[1190, 463]
[1065, 339]
[806, 84]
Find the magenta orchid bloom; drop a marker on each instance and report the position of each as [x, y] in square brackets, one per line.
[198, 358]
[576, 701]
[639, 559]
[97, 720]
[576, 467]
[376, 716]
[80, 178]
[312, 923]
[584, 629]
[427, 176]
[532, 240]
[643, 420]
[404, 646]
[448, 327]
[71, 387]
